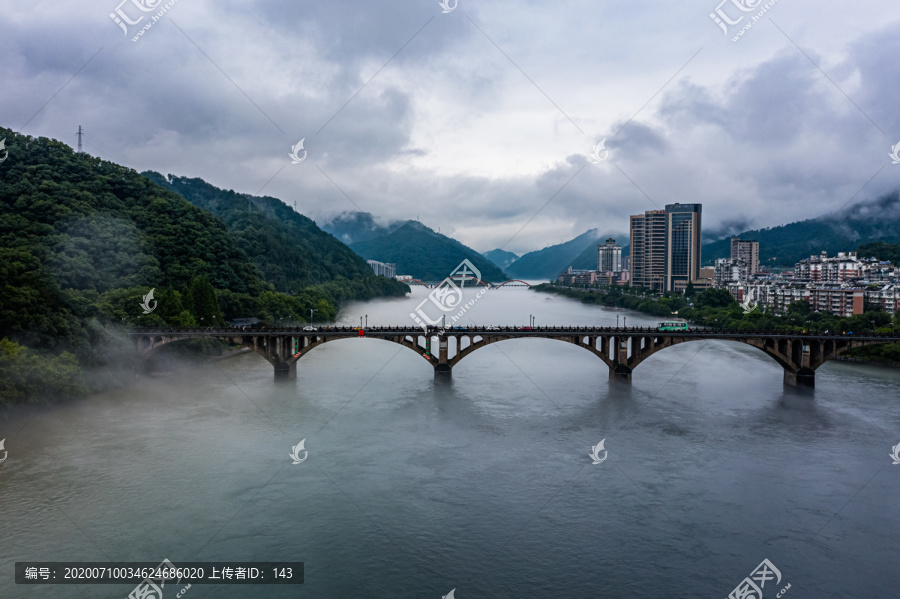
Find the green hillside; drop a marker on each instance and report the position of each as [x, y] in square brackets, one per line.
[868, 222]
[83, 241]
[550, 261]
[883, 251]
[501, 258]
[424, 254]
[289, 249]
[354, 227]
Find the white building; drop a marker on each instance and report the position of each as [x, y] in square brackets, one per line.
[385, 269]
[774, 298]
[609, 256]
[731, 270]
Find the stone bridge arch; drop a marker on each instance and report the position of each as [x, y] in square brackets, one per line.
[622, 350]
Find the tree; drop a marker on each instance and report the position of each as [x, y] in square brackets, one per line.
[202, 303]
[689, 291]
[799, 308]
[715, 298]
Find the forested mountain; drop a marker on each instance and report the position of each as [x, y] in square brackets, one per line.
[424, 254]
[354, 227]
[73, 227]
[501, 258]
[550, 261]
[83, 242]
[877, 220]
[883, 251]
[289, 249]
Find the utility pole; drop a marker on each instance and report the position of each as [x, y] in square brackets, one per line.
[80, 133]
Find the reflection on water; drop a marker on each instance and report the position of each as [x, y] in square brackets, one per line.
[482, 482]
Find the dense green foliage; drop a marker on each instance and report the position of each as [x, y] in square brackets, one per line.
[26, 375]
[716, 308]
[84, 241]
[548, 262]
[883, 251]
[424, 254]
[353, 227]
[289, 249]
[784, 246]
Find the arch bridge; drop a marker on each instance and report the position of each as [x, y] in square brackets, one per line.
[620, 349]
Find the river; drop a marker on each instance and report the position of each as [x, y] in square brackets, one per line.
[481, 483]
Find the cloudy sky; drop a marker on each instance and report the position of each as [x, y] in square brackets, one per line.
[480, 120]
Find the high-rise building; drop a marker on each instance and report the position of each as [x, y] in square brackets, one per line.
[682, 245]
[747, 251]
[647, 261]
[609, 256]
[665, 247]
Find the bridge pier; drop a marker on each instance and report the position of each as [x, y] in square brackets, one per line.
[285, 372]
[805, 377]
[443, 370]
[443, 367]
[620, 374]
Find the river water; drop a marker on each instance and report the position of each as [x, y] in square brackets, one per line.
[415, 486]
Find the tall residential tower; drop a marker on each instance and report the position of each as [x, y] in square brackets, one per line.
[665, 247]
[609, 256]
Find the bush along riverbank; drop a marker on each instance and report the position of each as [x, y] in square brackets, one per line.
[717, 309]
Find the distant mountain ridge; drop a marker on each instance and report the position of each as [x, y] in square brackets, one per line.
[873, 221]
[501, 258]
[547, 263]
[417, 250]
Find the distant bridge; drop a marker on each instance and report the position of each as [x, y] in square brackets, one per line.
[488, 284]
[621, 349]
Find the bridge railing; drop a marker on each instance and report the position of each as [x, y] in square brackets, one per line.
[508, 329]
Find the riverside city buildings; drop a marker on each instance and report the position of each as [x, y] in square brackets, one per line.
[841, 285]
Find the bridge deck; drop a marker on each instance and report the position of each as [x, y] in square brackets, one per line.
[337, 331]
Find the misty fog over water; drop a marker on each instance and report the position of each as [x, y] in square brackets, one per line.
[415, 486]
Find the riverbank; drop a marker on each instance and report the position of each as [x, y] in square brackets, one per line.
[717, 309]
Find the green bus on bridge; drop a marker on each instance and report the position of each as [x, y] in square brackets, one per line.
[673, 325]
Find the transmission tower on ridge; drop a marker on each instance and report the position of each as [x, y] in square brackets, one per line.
[80, 133]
